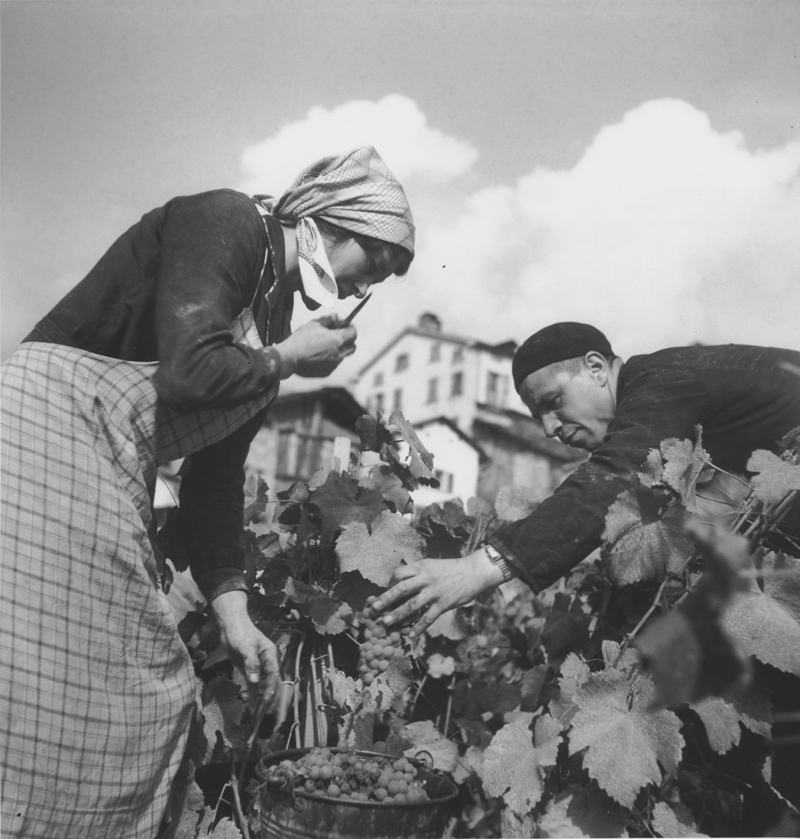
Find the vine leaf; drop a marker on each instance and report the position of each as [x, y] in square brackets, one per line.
[581, 812]
[450, 625]
[222, 710]
[515, 502]
[392, 541]
[374, 435]
[534, 689]
[193, 805]
[766, 623]
[327, 615]
[299, 592]
[574, 673]
[353, 589]
[687, 652]
[341, 500]
[689, 656]
[344, 688]
[674, 820]
[775, 477]
[225, 829]
[421, 464]
[686, 466]
[256, 498]
[470, 763]
[424, 735]
[514, 768]
[611, 654]
[722, 715]
[383, 480]
[653, 469]
[398, 676]
[566, 628]
[642, 541]
[624, 740]
[440, 665]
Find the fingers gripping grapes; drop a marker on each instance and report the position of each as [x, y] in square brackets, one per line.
[429, 589]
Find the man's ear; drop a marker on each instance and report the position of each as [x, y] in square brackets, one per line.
[598, 366]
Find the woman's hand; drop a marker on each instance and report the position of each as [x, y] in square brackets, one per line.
[435, 586]
[252, 652]
[317, 348]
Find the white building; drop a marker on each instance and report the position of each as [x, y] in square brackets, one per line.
[461, 390]
[427, 373]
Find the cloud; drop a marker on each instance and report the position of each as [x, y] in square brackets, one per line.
[394, 125]
[665, 232]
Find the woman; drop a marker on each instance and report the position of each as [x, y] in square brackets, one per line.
[172, 346]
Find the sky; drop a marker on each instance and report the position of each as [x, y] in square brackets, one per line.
[635, 165]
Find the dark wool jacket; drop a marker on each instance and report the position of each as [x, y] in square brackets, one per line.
[168, 290]
[743, 397]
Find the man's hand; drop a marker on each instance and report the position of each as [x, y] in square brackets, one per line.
[252, 652]
[433, 587]
[317, 348]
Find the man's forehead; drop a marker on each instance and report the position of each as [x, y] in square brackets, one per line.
[540, 386]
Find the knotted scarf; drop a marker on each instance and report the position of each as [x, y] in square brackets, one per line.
[355, 190]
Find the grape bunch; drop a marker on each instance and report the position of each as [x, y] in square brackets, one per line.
[351, 777]
[378, 649]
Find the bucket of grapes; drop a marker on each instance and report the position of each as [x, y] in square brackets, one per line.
[351, 794]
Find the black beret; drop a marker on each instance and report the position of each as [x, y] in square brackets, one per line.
[557, 342]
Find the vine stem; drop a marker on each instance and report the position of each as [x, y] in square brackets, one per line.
[416, 696]
[245, 830]
[449, 706]
[219, 801]
[631, 635]
[296, 697]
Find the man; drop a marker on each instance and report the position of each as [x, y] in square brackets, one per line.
[744, 398]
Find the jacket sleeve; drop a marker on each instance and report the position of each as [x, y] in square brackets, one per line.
[213, 248]
[211, 508]
[566, 527]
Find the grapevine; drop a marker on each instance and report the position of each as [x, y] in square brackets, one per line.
[525, 701]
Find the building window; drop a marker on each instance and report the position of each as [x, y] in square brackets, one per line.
[397, 401]
[378, 380]
[436, 352]
[377, 403]
[433, 390]
[445, 480]
[457, 384]
[458, 355]
[496, 387]
[401, 363]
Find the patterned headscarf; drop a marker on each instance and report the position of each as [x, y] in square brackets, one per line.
[354, 190]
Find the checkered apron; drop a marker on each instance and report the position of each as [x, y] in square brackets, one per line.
[96, 688]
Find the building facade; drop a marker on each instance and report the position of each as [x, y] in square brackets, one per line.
[444, 381]
[297, 436]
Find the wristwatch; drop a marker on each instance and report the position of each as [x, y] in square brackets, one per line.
[500, 561]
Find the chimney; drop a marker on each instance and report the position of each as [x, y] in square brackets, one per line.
[429, 321]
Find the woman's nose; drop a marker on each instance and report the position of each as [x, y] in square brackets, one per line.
[362, 288]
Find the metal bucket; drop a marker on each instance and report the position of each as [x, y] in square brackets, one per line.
[300, 815]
